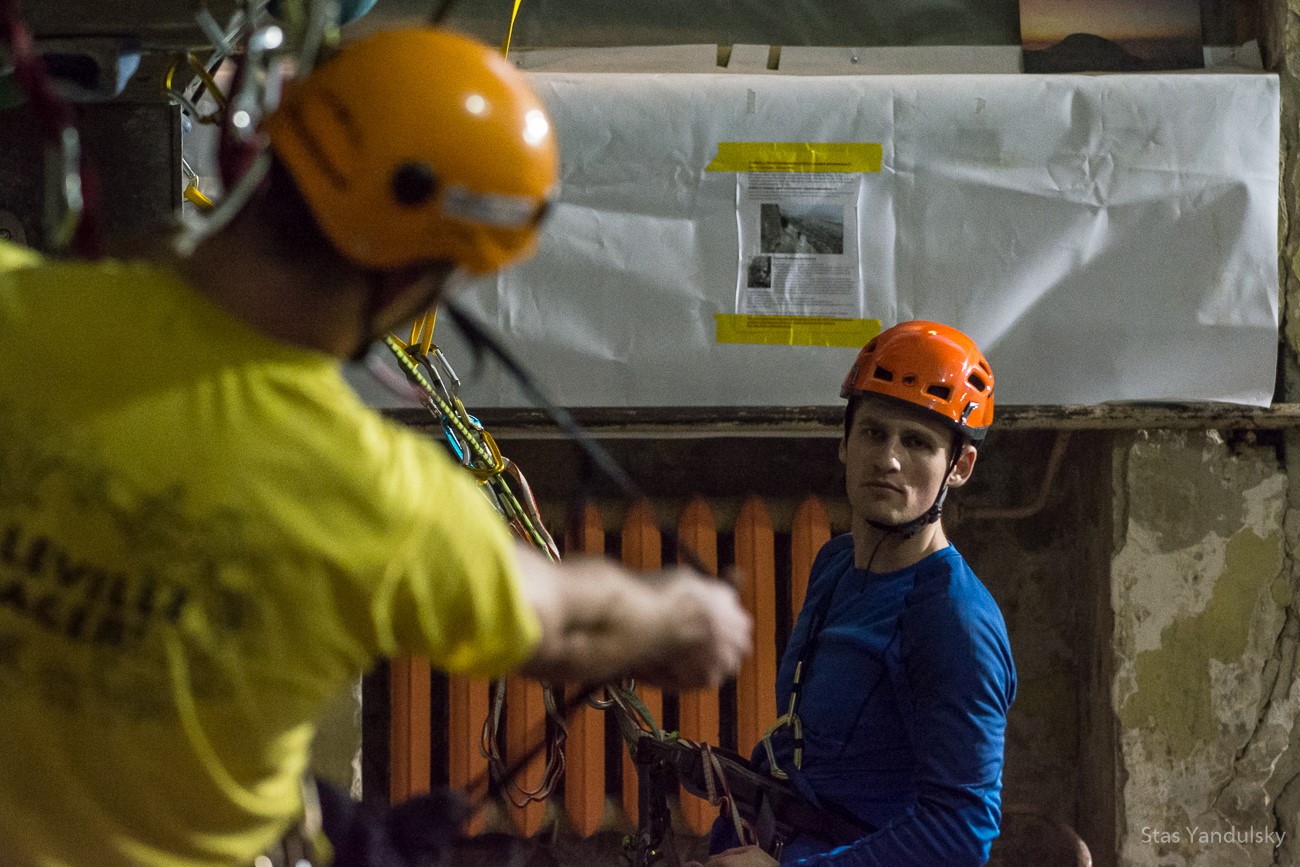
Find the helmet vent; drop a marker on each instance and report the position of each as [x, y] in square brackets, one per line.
[413, 184]
[942, 392]
[542, 211]
[311, 143]
[976, 381]
[883, 374]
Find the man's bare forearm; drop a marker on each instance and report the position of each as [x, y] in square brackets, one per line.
[600, 623]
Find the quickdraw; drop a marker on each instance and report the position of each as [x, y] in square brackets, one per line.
[803, 663]
[256, 46]
[652, 844]
[429, 372]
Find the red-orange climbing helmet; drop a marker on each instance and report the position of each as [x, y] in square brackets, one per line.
[418, 144]
[933, 366]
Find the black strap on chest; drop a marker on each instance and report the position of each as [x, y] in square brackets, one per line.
[774, 809]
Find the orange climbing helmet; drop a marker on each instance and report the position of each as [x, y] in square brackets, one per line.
[933, 366]
[419, 144]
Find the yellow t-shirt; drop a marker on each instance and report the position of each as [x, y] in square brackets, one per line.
[203, 536]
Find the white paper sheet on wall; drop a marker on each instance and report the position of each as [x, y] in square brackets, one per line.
[1102, 238]
[799, 244]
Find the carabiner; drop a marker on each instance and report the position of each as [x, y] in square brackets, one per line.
[796, 725]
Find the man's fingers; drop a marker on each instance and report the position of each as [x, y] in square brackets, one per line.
[707, 632]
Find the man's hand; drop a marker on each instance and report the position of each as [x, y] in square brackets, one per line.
[701, 633]
[600, 623]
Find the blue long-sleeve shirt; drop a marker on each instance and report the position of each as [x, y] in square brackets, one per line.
[904, 710]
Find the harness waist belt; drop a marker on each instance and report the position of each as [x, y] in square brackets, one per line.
[775, 809]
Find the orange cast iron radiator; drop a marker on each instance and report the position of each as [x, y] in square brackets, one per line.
[772, 566]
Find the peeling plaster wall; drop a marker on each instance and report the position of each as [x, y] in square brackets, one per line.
[336, 750]
[1205, 685]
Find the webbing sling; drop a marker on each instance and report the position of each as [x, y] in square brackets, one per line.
[773, 808]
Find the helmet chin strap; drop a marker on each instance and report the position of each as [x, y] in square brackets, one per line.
[380, 290]
[908, 529]
[374, 302]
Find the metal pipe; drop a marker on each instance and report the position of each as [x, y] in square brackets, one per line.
[1034, 506]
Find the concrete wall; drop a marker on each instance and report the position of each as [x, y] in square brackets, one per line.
[1049, 572]
[1205, 684]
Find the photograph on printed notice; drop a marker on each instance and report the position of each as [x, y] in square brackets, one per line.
[802, 227]
[1111, 35]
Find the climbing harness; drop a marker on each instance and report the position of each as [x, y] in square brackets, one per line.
[763, 811]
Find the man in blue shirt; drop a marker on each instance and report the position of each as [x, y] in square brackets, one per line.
[898, 675]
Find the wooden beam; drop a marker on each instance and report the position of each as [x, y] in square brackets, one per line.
[828, 421]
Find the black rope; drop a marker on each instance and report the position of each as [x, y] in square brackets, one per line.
[480, 339]
[441, 11]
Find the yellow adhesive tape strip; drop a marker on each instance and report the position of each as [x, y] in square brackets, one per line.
[777, 156]
[794, 330]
